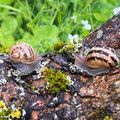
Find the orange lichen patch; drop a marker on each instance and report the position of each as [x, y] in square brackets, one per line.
[34, 115]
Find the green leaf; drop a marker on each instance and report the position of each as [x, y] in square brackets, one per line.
[49, 32]
[9, 25]
[7, 41]
[6, 1]
[100, 17]
[44, 37]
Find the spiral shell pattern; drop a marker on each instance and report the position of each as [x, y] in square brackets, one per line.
[22, 53]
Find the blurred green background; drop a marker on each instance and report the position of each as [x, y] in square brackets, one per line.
[43, 22]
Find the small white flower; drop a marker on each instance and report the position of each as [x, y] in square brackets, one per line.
[70, 38]
[84, 22]
[73, 38]
[116, 10]
[86, 25]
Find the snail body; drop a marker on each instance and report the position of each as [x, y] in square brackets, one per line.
[23, 58]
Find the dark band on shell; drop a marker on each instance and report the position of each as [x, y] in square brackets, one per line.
[101, 57]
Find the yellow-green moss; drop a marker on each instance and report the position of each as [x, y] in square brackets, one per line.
[57, 80]
[61, 47]
[4, 49]
[58, 45]
[66, 48]
[108, 118]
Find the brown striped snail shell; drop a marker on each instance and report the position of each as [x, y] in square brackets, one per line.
[101, 57]
[22, 53]
[97, 61]
[23, 57]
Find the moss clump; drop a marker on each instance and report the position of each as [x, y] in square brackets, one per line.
[67, 48]
[61, 47]
[4, 49]
[108, 118]
[58, 45]
[57, 80]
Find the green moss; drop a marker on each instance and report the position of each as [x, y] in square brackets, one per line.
[108, 118]
[57, 80]
[66, 48]
[61, 47]
[4, 49]
[58, 45]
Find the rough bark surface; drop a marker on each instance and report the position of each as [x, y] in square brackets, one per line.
[87, 98]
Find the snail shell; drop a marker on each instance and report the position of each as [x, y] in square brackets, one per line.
[23, 58]
[101, 57]
[22, 53]
[97, 61]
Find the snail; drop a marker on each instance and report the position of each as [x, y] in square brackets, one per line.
[100, 49]
[97, 61]
[23, 57]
